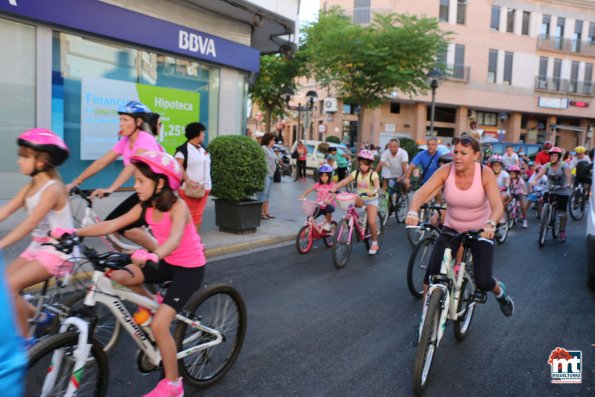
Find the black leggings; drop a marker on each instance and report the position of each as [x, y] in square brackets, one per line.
[483, 257]
[561, 198]
[123, 208]
[301, 168]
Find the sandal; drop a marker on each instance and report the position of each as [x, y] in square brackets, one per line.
[269, 216]
[263, 217]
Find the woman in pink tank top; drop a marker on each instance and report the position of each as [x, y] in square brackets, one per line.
[473, 202]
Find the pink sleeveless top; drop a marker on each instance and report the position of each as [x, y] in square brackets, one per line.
[190, 252]
[466, 209]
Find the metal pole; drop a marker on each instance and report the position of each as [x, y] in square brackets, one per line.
[300, 131]
[433, 108]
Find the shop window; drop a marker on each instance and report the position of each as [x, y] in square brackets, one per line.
[487, 119]
[395, 107]
[17, 84]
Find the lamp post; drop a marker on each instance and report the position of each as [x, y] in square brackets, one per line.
[311, 95]
[434, 77]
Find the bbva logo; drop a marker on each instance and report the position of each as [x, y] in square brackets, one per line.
[196, 43]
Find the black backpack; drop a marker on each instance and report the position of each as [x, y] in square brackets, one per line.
[183, 148]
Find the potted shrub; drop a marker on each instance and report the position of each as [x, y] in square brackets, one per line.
[238, 168]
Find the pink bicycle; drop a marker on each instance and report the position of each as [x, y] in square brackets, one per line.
[352, 225]
[312, 230]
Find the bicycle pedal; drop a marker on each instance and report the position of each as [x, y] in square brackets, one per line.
[480, 297]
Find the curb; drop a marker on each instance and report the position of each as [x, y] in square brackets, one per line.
[233, 248]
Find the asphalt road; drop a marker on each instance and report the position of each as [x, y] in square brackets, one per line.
[317, 331]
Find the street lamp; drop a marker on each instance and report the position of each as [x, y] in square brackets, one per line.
[311, 95]
[434, 77]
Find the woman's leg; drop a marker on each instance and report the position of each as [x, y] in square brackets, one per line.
[563, 211]
[133, 281]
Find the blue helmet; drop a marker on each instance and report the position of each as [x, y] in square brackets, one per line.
[134, 109]
[325, 168]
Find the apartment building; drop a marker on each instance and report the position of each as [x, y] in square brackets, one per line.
[515, 70]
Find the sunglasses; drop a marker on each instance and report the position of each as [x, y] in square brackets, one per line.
[464, 141]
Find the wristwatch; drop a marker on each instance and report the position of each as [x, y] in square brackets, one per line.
[491, 222]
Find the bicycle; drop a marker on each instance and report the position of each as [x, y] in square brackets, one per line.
[514, 213]
[427, 214]
[393, 201]
[352, 225]
[209, 334]
[550, 217]
[577, 201]
[452, 295]
[312, 230]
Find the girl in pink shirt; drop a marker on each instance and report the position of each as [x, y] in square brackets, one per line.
[179, 256]
[324, 194]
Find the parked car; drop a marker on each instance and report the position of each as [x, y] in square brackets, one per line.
[317, 152]
[530, 149]
[591, 235]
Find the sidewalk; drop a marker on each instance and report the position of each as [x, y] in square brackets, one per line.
[284, 206]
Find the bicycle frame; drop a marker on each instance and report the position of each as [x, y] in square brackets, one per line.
[353, 216]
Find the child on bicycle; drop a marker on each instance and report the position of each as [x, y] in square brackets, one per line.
[324, 196]
[368, 185]
[537, 189]
[518, 190]
[45, 201]
[179, 256]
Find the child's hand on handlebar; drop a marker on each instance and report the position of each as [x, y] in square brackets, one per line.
[59, 232]
[141, 257]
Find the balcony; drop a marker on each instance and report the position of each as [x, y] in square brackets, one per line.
[568, 46]
[564, 86]
[458, 72]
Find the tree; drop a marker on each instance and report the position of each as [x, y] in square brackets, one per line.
[276, 76]
[365, 63]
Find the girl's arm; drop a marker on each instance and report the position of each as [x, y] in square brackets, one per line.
[541, 173]
[17, 202]
[112, 226]
[48, 200]
[344, 182]
[94, 168]
[179, 214]
[307, 192]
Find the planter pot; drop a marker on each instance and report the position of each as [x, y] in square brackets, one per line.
[238, 217]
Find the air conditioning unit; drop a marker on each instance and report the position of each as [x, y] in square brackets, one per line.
[330, 105]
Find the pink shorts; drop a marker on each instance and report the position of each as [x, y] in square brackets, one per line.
[52, 262]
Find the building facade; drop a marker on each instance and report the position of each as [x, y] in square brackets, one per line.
[68, 65]
[516, 70]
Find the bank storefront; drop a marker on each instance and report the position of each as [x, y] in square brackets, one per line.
[69, 64]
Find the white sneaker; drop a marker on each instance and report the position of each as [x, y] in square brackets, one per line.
[374, 248]
[326, 227]
[525, 224]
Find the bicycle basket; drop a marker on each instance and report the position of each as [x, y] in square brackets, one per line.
[346, 201]
[309, 207]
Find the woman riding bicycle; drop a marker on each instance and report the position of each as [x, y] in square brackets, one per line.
[473, 203]
[368, 185]
[134, 141]
[558, 174]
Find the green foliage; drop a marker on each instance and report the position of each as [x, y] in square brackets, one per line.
[333, 139]
[276, 76]
[238, 167]
[410, 146]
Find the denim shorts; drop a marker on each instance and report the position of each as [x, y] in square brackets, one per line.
[265, 195]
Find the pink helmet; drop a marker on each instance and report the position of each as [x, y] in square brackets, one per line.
[163, 164]
[514, 168]
[366, 155]
[556, 149]
[496, 158]
[44, 140]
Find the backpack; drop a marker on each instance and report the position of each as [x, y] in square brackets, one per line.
[183, 148]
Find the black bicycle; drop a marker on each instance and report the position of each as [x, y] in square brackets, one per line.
[393, 201]
[550, 216]
[578, 200]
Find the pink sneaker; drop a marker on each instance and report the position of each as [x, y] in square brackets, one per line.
[166, 389]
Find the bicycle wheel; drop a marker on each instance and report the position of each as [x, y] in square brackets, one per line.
[576, 205]
[427, 343]
[402, 207]
[511, 213]
[329, 239]
[219, 307]
[419, 260]
[502, 229]
[342, 247]
[462, 324]
[304, 239]
[544, 224]
[92, 381]
[415, 235]
[107, 330]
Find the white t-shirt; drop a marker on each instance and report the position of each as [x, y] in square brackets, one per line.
[199, 165]
[392, 166]
[501, 179]
[507, 160]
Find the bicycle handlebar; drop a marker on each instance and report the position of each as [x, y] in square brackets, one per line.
[474, 234]
[84, 193]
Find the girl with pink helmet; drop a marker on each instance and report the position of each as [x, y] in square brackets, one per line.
[179, 256]
[45, 201]
[518, 190]
[368, 185]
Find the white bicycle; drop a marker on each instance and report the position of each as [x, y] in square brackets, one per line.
[209, 334]
[452, 295]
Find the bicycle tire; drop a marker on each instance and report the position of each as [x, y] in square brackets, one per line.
[220, 307]
[329, 239]
[402, 207]
[107, 330]
[304, 240]
[415, 235]
[576, 205]
[67, 340]
[461, 325]
[544, 224]
[511, 216]
[416, 269]
[342, 246]
[502, 229]
[380, 233]
[427, 343]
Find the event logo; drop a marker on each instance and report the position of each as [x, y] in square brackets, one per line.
[196, 43]
[566, 365]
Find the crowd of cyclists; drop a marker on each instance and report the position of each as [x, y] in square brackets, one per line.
[473, 188]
